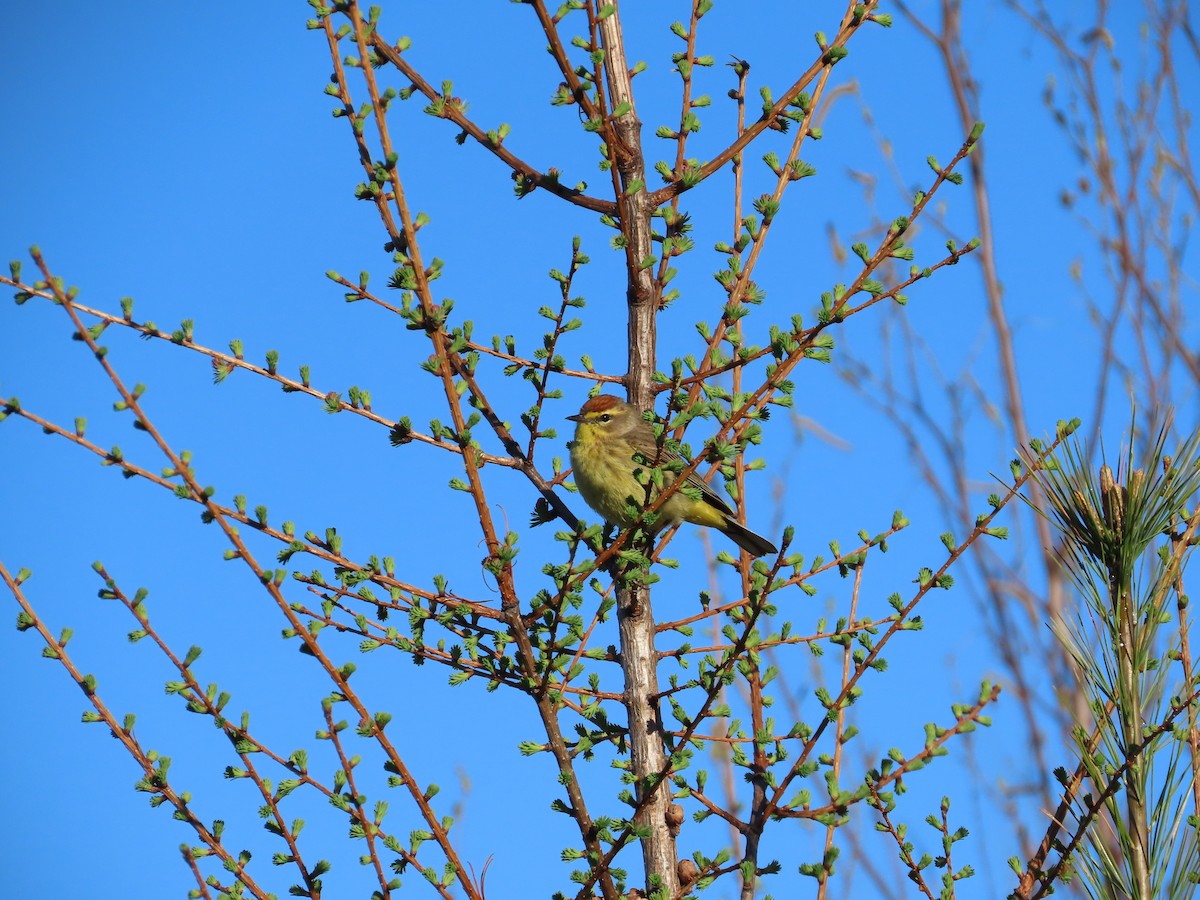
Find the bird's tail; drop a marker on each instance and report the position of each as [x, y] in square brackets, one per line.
[754, 544]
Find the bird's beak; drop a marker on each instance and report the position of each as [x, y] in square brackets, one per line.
[575, 418]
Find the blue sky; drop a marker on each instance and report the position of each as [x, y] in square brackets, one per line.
[189, 160]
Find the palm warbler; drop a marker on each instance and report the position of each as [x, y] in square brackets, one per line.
[608, 432]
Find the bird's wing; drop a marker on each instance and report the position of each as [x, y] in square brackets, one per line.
[707, 492]
[647, 446]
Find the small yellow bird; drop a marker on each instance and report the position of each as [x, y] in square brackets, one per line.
[608, 432]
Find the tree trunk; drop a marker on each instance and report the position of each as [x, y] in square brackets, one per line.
[635, 619]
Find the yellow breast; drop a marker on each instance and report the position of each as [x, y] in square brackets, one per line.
[605, 479]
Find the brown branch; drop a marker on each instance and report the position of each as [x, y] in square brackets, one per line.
[840, 727]
[806, 338]
[549, 25]
[848, 27]
[914, 871]
[405, 236]
[153, 779]
[224, 363]
[357, 809]
[932, 580]
[268, 581]
[451, 110]
[199, 700]
[379, 578]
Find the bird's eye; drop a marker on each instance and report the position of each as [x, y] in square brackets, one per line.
[606, 418]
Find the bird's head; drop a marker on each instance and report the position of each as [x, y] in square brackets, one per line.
[605, 416]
